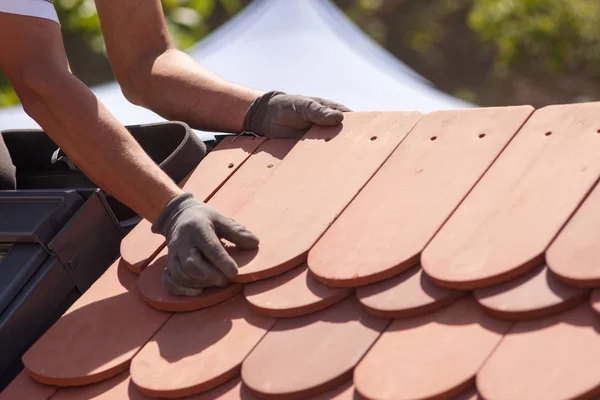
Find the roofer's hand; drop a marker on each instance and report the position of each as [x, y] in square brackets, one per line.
[196, 257]
[280, 115]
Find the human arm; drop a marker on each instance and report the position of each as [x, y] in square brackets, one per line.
[154, 74]
[32, 56]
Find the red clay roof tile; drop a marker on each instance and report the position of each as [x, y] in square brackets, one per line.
[289, 213]
[552, 358]
[433, 356]
[412, 195]
[504, 226]
[535, 294]
[156, 294]
[574, 255]
[97, 337]
[292, 294]
[304, 356]
[23, 387]
[409, 294]
[197, 351]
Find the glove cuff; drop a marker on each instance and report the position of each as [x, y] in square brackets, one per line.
[256, 112]
[163, 222]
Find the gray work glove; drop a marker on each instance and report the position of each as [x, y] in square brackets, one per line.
[197, 258]
[280, 115]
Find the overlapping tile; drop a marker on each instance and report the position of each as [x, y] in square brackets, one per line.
[574, 255]
[505, 224]
[552, 358]
[158, 296]
[117, 388]
[140, 246]
[197, 351]
[306, 356]
[23, 387]
[98, 336]
[433, 356]
[535, 294]
[292, 294]
[412, 195]
[345, 391]
[289, 213]
[121, 388]
[409, 294]
[227, 200]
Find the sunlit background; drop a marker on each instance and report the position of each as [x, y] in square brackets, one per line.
[487, 52]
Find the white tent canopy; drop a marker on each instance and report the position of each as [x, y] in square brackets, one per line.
[297, 46]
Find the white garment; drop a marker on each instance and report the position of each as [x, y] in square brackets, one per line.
[32, 8]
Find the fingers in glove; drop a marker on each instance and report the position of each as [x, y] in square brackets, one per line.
[176, 288]
[332, 104]
[230, 230]
[319, 114]
[212, 248]
[203, 274]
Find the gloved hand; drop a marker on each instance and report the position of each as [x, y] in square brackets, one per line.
[280, 115]
[196, 257]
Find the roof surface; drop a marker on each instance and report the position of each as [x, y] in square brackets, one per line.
[306, 47]
[402, 256]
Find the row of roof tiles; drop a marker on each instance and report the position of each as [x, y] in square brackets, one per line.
[402, 256]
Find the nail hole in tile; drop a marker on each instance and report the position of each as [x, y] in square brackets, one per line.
[481, 135]
[270, 166]
[433, 138]
[548, 133]
[373, 138]
[230, 165]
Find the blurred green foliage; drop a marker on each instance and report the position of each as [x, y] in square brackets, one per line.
[559, 33]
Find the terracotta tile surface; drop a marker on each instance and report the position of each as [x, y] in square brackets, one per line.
[251, 175]
[98, 336]
[156, 294]
[574, 255]
[121, 387]
[412, 195]
[506, 223]
[528, 333]
[329, 162]
[117, 388]
[409, 294]
[231, 390]
[436, 355]
[140, 246]
[305, 356]
[345, 391]
[536, 294]
[292, 294]
[195, 352]
[553, 358]
[23, 387]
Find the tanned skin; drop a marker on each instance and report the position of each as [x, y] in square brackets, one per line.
[152, 73]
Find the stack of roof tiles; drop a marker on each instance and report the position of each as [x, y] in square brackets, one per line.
[402, 256]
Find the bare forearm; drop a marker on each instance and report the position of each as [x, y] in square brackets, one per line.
[176, 87]
[103, 149]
